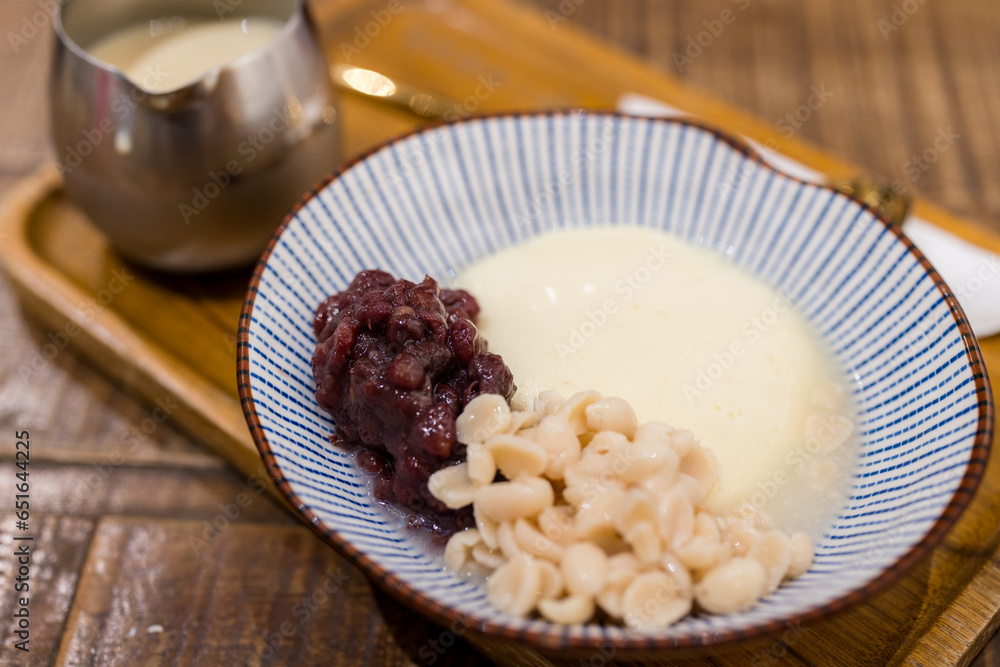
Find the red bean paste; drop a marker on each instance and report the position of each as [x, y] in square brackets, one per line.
[395, 364]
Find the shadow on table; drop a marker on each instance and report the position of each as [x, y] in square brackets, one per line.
[424, 642]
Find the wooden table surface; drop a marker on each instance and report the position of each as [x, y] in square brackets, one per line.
[150, 550]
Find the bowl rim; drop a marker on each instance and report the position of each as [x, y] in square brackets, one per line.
[399, 589]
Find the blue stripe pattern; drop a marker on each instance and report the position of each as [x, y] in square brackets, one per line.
[434, 202]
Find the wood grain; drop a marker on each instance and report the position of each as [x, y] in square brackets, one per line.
[891, 95]
[145, 598]
[108, 487]
[58, 552]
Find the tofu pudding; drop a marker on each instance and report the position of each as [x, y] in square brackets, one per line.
[678, 440]
[688, 339]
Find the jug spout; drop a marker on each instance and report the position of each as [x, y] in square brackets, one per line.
[201, 131]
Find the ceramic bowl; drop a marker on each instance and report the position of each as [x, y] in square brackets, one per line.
[435, 200]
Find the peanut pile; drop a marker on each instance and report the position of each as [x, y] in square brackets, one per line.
[591, 511]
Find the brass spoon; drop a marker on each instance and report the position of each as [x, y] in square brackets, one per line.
[891, 205]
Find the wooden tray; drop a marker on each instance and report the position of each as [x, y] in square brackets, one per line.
[172, 339]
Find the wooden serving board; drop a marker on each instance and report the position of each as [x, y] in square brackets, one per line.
[172, 339]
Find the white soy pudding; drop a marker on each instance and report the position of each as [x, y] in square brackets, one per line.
[165, 55]
[688, 339]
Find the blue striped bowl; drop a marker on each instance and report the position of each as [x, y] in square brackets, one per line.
[438, 199]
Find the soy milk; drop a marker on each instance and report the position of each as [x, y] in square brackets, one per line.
[167, 54]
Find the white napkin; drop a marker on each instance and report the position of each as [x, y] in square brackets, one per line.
[972, 272]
